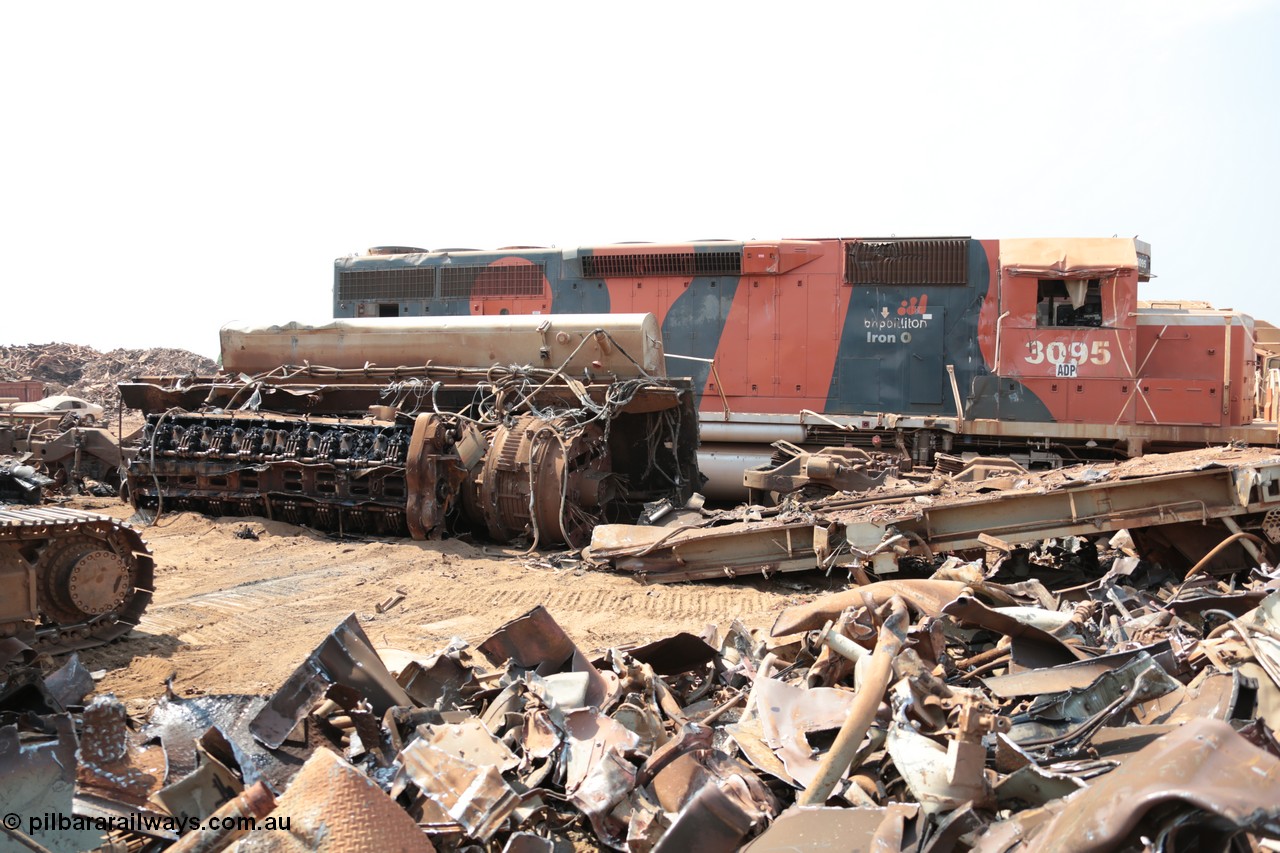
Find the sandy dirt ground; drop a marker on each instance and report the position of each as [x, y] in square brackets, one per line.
[234, 614]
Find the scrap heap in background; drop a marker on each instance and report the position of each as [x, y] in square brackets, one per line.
[82, 371]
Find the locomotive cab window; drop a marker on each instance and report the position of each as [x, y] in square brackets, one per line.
[1069, 302]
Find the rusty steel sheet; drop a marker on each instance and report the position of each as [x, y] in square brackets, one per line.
[711, 820]
[470, 791]
[1030, 647]
[1076, 674]
[346, 657]
[38, 777]
[680, 781]
[219, 725]
[940, 778]
[820, 828]
[1227, 783]
[442, 682]
[535, 641]
[670, 555]
[788, 714]
[331, 807]
[674, 655]
[470, 741]
[71, 683]
[1035, 786]
[946, 736]
[202, 792]
[1212, 695]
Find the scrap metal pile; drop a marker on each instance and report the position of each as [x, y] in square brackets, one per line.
[964, 711]
[83, 371]
[1178, 507]
[72, 448]
[76, 458]
[422, 427]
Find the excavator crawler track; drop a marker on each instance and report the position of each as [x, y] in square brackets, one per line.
[69, 579]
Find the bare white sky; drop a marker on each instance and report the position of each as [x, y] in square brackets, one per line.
[170, 167]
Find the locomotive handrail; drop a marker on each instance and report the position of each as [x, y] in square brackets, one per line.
[955, 392]
[995, 364]
[714, 373]
[810, 413]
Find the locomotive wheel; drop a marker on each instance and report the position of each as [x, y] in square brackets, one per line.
[81, 577]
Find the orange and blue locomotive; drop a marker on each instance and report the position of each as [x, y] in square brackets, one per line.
[1036, 348]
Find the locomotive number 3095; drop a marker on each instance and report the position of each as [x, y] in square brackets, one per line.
[1066, 357]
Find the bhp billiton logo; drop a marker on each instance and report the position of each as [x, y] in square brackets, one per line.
[913, 313]
[912, 307]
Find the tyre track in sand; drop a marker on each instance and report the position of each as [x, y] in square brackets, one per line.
[233, 613]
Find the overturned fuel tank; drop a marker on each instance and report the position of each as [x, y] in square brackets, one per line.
[516, 427]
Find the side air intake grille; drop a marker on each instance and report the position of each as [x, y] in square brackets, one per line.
[662, 263]
[478, 282]
[387, 285]
[932, 261]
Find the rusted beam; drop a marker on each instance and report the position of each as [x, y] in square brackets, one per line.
[666, 555]
[1106, 504]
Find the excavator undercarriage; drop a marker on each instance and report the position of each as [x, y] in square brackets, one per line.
[71, 579]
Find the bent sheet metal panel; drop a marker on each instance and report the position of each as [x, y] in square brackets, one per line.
[38, 779]
[1204, 764]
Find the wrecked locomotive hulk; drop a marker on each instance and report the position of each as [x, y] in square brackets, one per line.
[1039, 349]
[532, 427]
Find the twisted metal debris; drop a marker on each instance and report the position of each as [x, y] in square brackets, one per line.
[975, 709]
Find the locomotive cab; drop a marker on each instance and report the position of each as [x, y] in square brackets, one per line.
[1066, 326]
[1070, 331]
